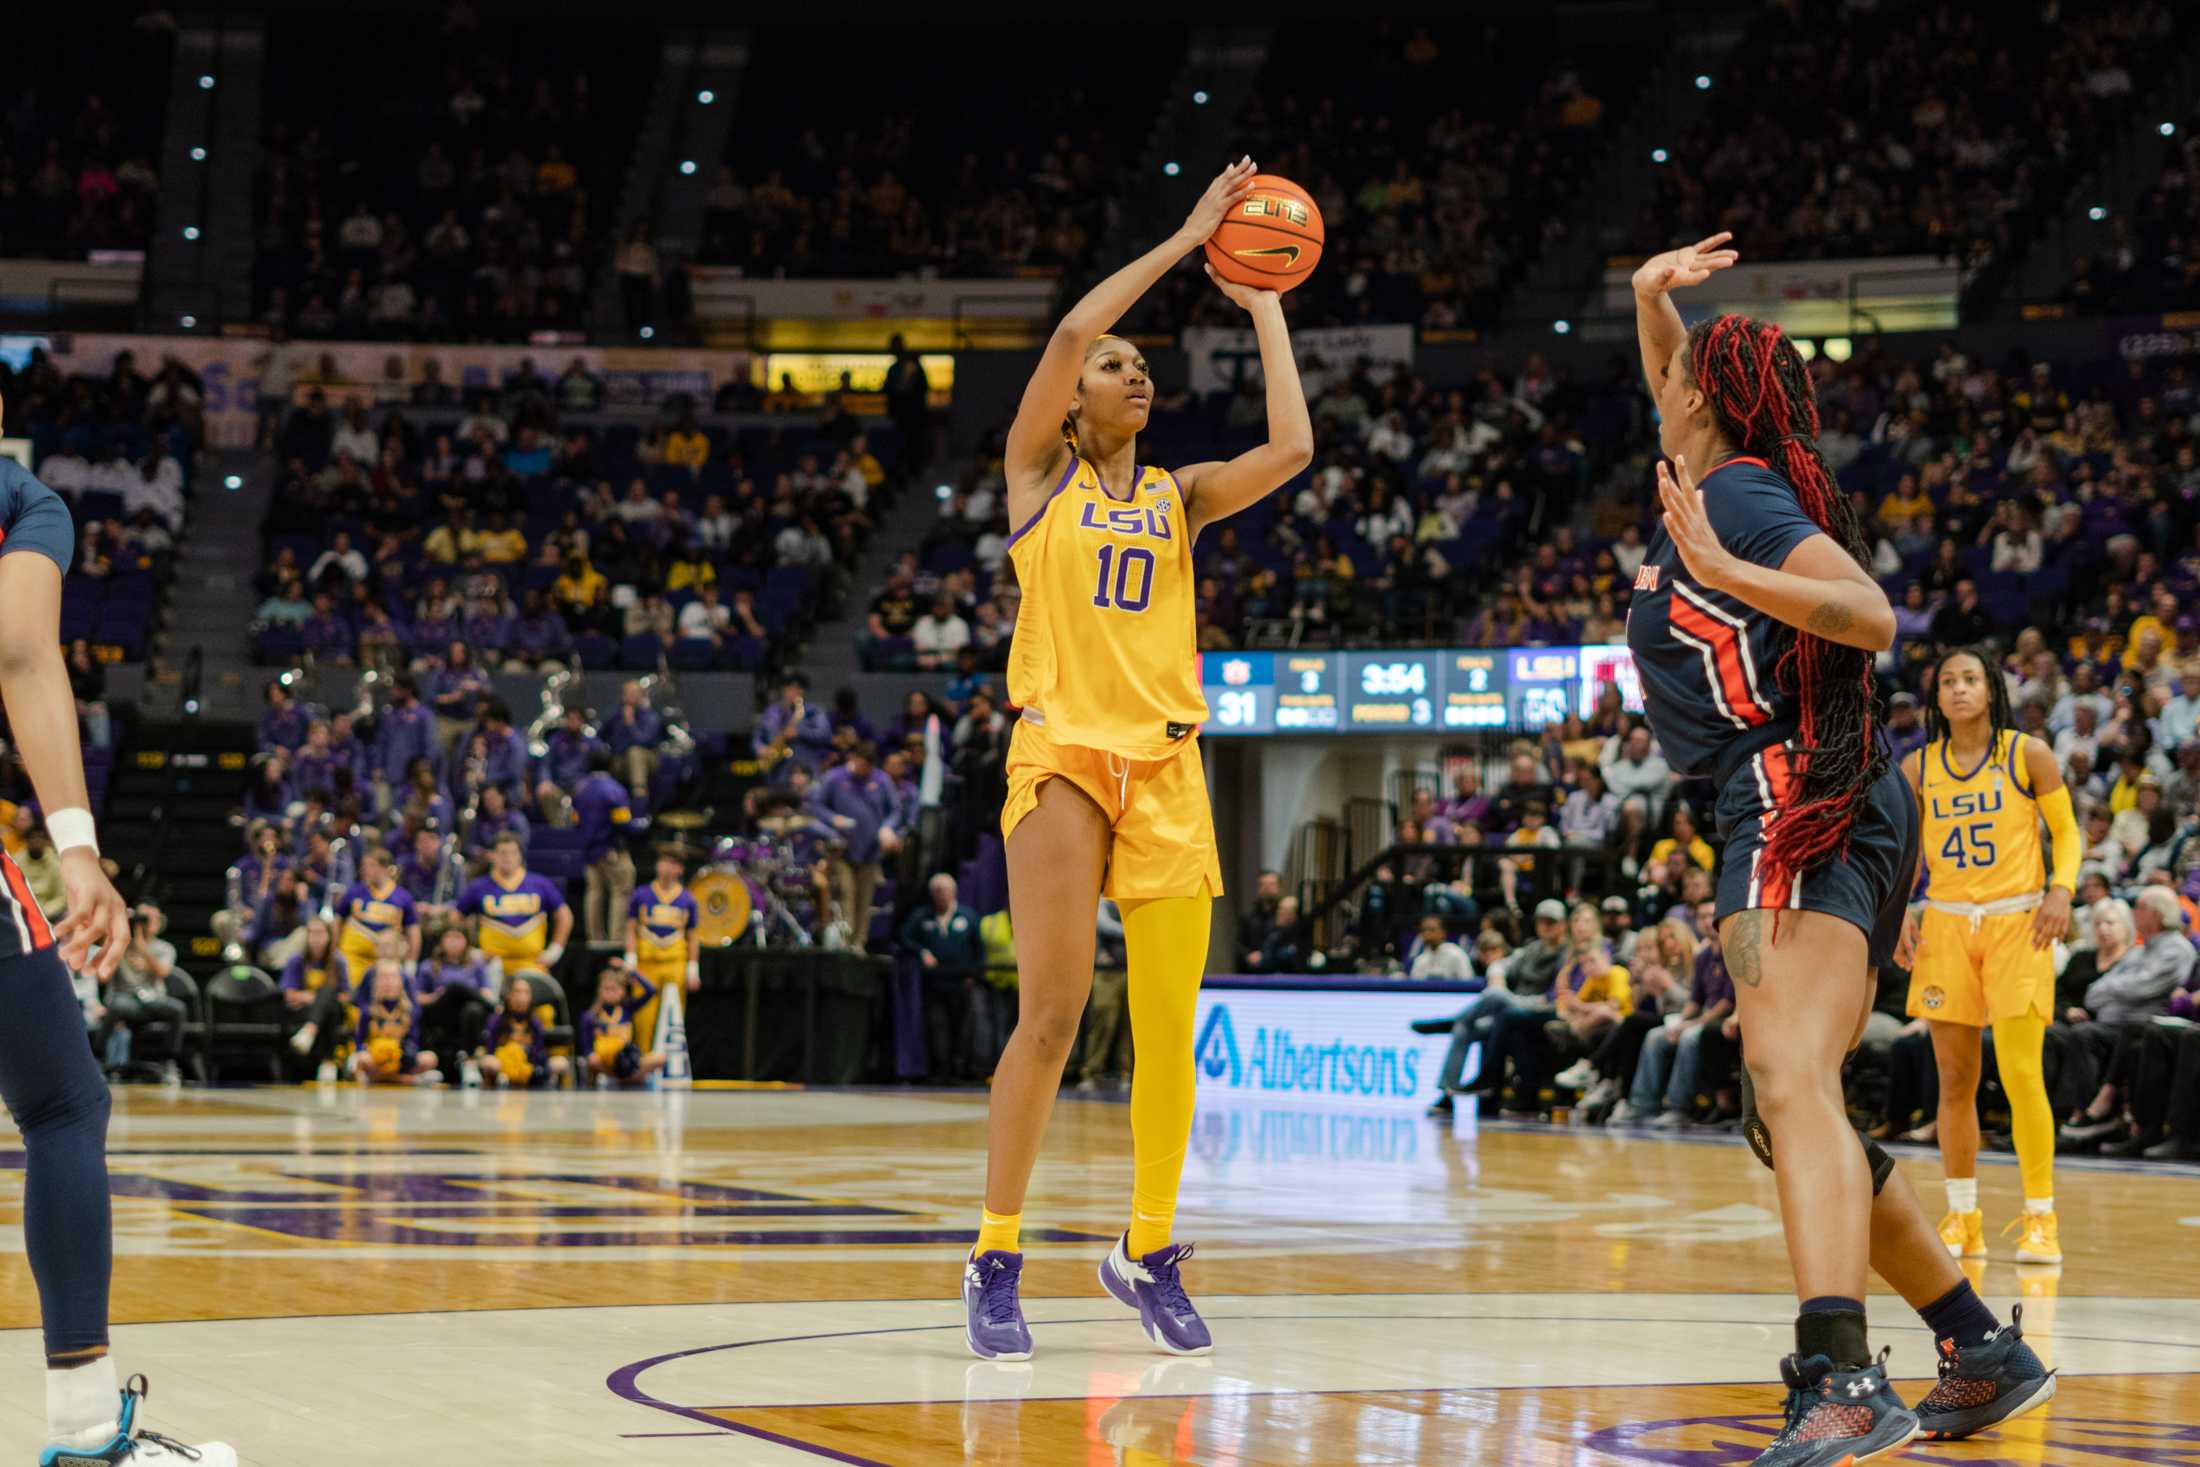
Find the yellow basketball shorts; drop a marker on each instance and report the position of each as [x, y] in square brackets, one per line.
[1164, 829]
[1966, 975]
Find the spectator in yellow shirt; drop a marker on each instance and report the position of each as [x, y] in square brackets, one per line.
[687, 446]
[554, 175]
[580, 589]
[691, 571]
[1905, 502]
[1684, 837]
[867, 464]
[501, 544]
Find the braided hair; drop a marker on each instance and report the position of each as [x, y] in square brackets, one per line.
[1763, 402]
[2000, 716]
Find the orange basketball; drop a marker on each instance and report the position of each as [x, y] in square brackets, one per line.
[1272, 241]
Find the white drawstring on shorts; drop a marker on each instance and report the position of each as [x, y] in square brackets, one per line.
[1123, 789]
[1978, 912]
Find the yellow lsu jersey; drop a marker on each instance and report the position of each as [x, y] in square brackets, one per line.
[662, 927]
[1106, 647]
[1981, 825]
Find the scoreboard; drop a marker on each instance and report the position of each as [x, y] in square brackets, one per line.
[1416, 691]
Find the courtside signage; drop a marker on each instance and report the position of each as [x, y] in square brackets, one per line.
[1352, 1049]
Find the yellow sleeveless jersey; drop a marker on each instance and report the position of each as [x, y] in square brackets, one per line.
[1982, 825]
[1106, 647]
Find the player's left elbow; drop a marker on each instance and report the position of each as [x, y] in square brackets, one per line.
[1881, 629]
[1293, 454]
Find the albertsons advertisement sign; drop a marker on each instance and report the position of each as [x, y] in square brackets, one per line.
[1352, 1049]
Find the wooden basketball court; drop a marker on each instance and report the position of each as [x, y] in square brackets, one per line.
[332, 1276]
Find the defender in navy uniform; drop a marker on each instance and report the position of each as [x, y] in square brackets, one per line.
[1753, 625]
[51, 1086]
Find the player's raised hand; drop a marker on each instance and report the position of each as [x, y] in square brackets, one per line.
[1244, 297]
[1225, 193]
[96, 915]
[2051, 921]
[1688, 265]
[1701, 553]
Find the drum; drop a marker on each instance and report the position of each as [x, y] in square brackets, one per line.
[724, 903]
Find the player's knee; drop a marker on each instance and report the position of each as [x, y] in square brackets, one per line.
[77, 1109]
[1051, 1024]
[1780, 1080]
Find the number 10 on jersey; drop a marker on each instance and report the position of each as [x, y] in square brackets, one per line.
[1116, 567]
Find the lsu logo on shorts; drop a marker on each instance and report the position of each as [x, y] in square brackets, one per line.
[1933, 997]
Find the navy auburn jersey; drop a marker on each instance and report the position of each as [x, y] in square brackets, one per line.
[33, 518]
[1706, 660]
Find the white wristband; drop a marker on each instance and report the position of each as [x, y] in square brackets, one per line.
[71, 828]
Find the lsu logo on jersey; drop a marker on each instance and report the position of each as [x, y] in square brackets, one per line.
[507, 906]
[1968, 804]
[1130, 519]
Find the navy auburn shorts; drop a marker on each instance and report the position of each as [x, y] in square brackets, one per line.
[1869, 886]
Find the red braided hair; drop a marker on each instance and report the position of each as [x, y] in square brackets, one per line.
[1761, 396]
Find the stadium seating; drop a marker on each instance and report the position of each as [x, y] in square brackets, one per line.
[452, 184]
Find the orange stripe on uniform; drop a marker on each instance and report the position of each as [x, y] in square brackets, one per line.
[1726, 657]
[1778, 764]
[41, 932]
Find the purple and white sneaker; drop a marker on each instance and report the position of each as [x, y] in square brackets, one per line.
[993, 1315]
[1154, 1287]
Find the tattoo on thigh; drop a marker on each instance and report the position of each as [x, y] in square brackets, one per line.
[1744, 944]
[1831, 619]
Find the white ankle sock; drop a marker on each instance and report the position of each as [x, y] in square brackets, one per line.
[2040, 1204]
[82, 1404]
[1963, 1194]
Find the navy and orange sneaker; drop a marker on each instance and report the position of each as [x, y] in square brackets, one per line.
[1838, 1417]
[1993, 1381]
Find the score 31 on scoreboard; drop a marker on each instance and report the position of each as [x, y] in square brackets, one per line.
[1519, 689]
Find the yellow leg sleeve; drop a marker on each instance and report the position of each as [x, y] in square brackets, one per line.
[2017, 1045]
[1167, 942]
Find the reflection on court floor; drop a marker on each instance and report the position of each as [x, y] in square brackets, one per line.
[768, 1278]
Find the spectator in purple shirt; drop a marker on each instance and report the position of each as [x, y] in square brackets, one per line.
[540, 638]
[403, 732]
[283, 725]
[494, 818]
[488, 630]
[313, 766]
[328, 637]
[860, 803]
[563, 765]
[421, 867]
[459, 687]
[601, 809]
[792, 734]
[633, 734]
[1467, 805]
[504, 752]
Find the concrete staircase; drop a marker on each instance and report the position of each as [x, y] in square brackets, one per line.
[211, 598]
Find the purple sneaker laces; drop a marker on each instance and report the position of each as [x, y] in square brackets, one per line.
[997, 1295]
[1168, 1279]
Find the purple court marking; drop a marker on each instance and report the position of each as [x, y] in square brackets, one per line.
[623, 1382]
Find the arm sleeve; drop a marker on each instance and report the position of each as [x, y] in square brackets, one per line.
[33, 517]
[1756, 516]
[2068, 846]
